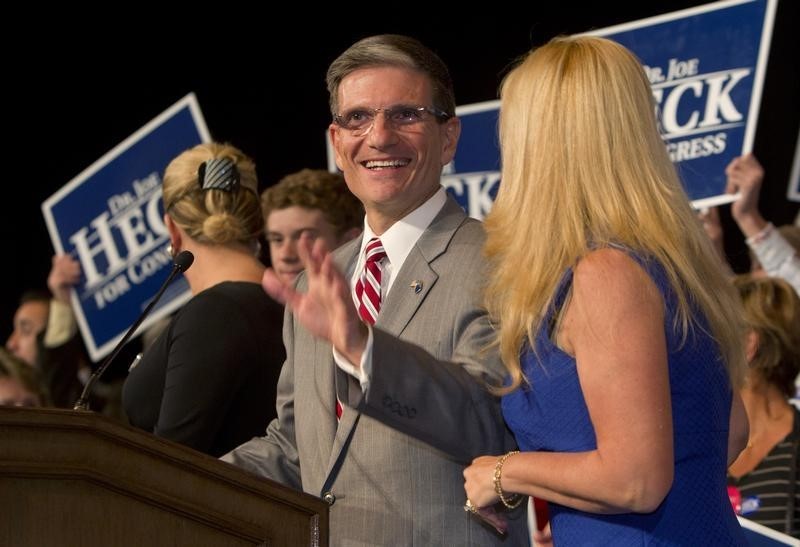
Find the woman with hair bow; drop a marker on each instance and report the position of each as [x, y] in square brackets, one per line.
[208, 381]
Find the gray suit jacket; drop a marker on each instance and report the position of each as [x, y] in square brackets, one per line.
[392, 466]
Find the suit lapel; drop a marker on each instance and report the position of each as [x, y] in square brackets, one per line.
[403, 299]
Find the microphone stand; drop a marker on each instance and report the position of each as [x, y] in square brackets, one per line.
[180, 264]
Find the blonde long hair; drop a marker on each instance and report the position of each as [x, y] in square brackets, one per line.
[583, 166]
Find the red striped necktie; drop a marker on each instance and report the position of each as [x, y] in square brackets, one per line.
[368, 289]
[368, 286]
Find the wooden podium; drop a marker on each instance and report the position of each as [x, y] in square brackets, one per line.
[76, 478]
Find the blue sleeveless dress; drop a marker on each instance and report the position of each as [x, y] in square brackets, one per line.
[551, 415]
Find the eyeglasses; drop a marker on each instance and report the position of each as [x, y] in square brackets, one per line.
[360, 120]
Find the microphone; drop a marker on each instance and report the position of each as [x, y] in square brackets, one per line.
[181, 263]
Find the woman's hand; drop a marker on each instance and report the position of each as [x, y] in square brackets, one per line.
[479, 481]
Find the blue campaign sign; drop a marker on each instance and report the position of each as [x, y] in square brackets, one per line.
[110, 218]
[706, 66]
[793, 192]
[758, 535]
[474, 174]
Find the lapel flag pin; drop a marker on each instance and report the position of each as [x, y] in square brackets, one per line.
[417, 286]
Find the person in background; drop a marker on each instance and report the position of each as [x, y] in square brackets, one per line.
[208, 381]
[766, 472]
[310, 203]
[61, 355]
[20, 383]
[30, 320]
[46, 337]
[619, 329]
[773, 251]
[379, 409]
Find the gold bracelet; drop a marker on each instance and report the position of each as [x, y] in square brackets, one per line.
[514, 501]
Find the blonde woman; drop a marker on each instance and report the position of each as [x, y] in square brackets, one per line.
[209, 380]
[614, 319]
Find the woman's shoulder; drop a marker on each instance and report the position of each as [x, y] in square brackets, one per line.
[613, 272]
[607, 263]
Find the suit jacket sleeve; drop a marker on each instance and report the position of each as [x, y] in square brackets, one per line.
[275, 455]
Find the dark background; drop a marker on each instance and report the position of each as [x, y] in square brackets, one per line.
[260, 84]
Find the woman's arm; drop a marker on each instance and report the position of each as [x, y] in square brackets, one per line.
[614, 326]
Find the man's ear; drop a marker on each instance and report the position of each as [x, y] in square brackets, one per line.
[333, 133]
[451, 131]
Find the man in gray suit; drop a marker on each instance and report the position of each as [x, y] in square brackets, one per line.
[412, 389]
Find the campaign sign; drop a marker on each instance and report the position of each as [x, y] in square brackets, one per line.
[474, 174]
[706, 67]
[760, 536]
[793, 191]
[110, 218]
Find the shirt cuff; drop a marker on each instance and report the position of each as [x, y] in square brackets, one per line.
[771, 249]
[364, 373]
[61, 324]
[760, 236]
